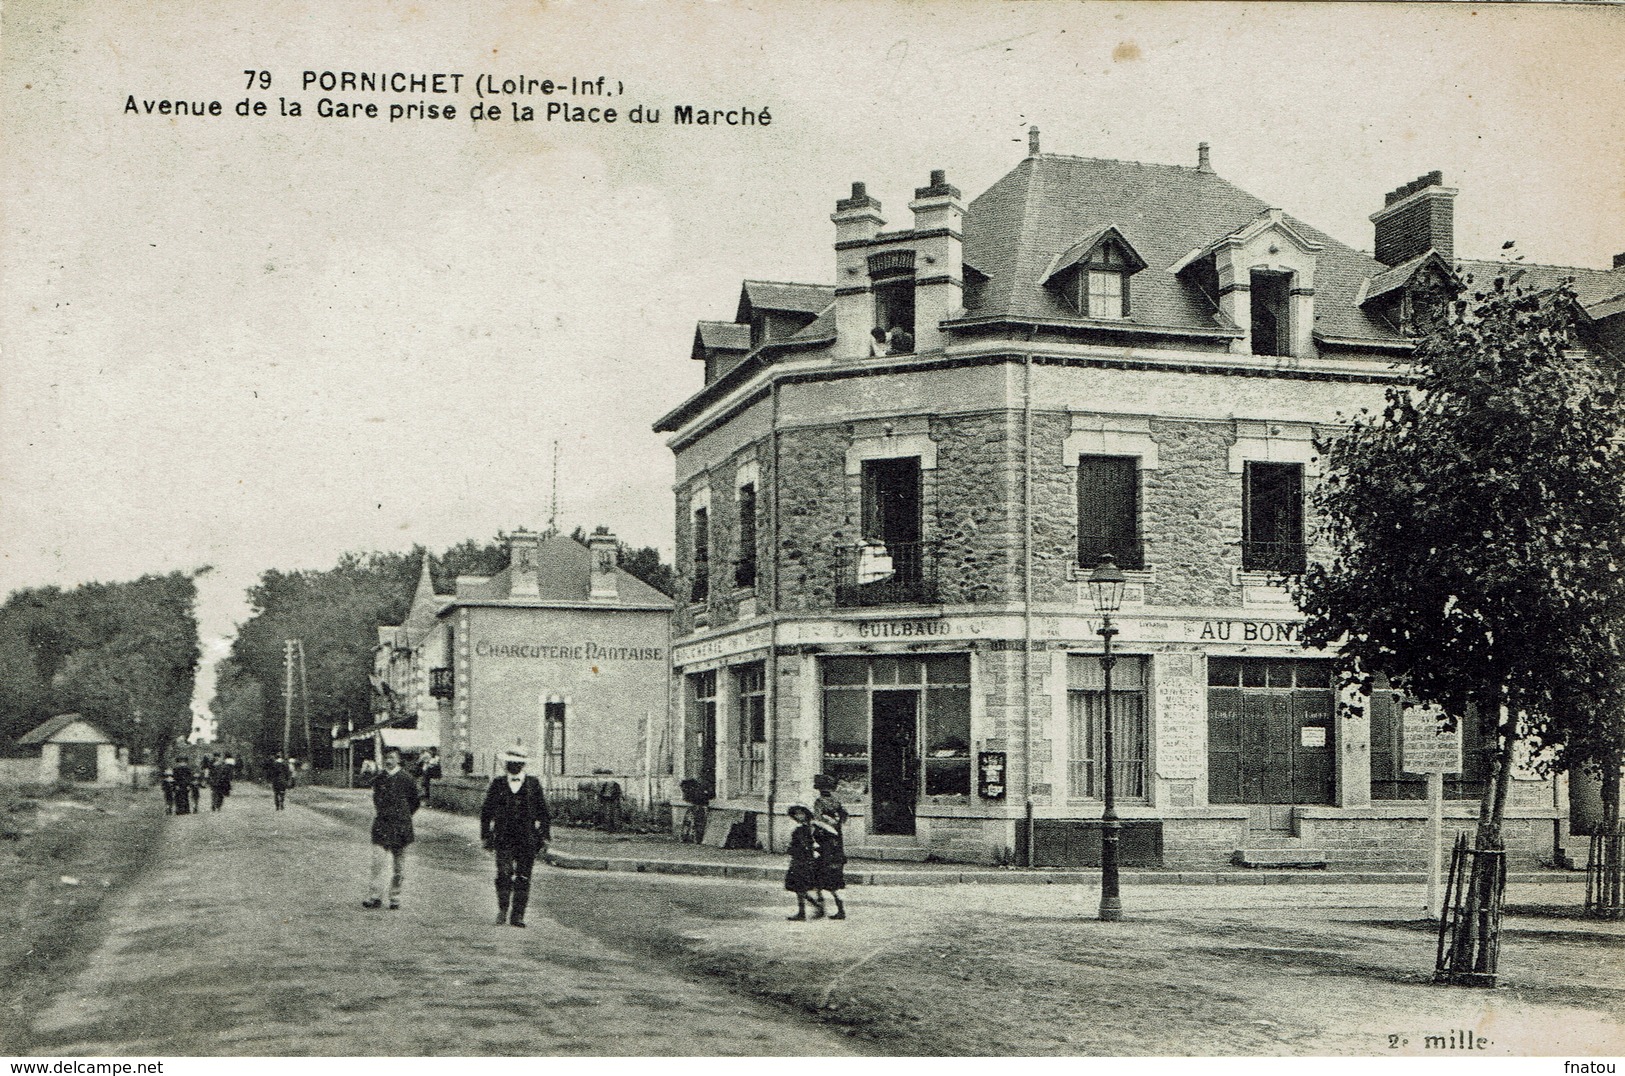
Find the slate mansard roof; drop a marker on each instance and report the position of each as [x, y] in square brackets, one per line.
[1045, 214]
[1016, 229]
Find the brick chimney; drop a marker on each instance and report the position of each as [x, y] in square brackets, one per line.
[524, 578]
[939, 263]
[604, 557]
[1204, 162]
[1619, 261]
[857, 221]
[1419, 215]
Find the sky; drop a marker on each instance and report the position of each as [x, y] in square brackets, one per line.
[258, 342]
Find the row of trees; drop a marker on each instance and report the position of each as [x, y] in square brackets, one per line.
[122, 654]
[336, 613]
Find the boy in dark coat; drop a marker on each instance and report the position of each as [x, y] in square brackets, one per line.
[394, 801]
[514, 825]
[802, 877]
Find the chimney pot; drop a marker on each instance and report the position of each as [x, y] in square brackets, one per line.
[859, 190]
[1204, 163]
[1032, 141]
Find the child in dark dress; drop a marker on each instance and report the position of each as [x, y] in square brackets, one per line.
[829, 820]
[802, 877]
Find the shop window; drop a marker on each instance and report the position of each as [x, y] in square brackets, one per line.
[1272, 538]
[1109, 511]
[941, 686]
[553, 738]
[702, 555]
[1086, 740]
[1386, 708]
[750, 728]
[745, 565]
[1271, 313]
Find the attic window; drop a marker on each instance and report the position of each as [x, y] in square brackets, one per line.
[891, 276]
[1271, 313]
[1093, 276]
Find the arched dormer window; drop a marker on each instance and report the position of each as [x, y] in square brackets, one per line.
[1093, 276]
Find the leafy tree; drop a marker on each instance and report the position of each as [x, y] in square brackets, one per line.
[1475, 525]
[115, 652]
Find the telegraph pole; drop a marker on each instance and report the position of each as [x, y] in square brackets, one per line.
[287, 693]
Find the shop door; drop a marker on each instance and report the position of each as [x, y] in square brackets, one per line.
[1270, 737]
[895, 781]
[77, 762]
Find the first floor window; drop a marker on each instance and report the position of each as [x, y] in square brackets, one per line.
[702, 555]
[1086, 740]
[745, 565]
[1272, 535]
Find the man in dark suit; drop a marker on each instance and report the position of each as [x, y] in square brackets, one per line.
[514, 825]
[394, 801]
[281, 781]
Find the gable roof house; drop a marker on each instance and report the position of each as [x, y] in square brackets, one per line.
[68, 747]
[883, 547]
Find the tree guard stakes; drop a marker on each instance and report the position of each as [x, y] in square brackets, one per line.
[1605, 880]
[1470, 930]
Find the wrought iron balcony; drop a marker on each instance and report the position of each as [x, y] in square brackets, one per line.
[1279, 558]
[896, 573]
[441, 683]
[1128, 552]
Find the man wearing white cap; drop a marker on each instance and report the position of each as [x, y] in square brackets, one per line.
[514, 825]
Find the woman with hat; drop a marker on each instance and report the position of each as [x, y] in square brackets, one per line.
[802, 877]
[829, 846]
[514, 825]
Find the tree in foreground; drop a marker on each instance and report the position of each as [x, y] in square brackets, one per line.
[1475, 525]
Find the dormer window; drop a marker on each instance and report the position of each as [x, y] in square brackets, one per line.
[1271, 313]
[1106, 295]
[1093, 276]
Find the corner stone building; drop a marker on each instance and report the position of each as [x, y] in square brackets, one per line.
[883, 543]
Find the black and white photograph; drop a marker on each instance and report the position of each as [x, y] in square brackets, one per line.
[886, 529]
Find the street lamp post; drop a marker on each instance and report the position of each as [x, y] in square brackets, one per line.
[1106, 584]
[135, 746]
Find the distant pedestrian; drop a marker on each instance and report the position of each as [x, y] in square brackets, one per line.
[168, 785]
[428, 771]
[394, 802]
[194, 788]
[802, 877]
[281, 781]
[219, 785]
[514, 825]
[184, 803]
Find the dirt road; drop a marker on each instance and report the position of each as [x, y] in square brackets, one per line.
[248, 937]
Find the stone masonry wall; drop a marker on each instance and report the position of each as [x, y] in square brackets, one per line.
[817, 518]
[1191, 515]
[978, 495]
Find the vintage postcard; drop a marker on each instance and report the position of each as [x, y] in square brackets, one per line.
[858, 530]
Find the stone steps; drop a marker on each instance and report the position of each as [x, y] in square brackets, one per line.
[1276, 855]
